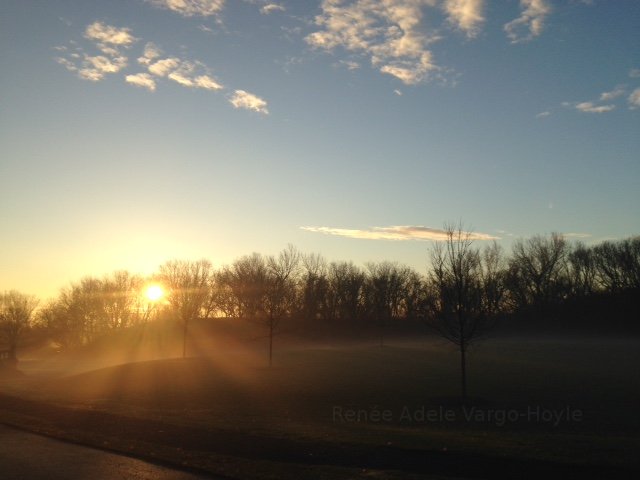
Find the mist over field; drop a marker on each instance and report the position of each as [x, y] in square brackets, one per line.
[329, 239]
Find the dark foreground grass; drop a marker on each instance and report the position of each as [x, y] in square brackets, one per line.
[537, 407]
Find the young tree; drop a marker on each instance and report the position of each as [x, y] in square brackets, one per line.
[280, 297]
[188, 285]
[459, 311]
[16, 310]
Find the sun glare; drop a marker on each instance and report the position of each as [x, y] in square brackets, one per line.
[154, 292]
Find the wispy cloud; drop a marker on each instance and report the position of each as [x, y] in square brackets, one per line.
[543, 114]
[389, 33]
[576, 235]
[190, 8]
[107, 41]
[107, 34]
[634, 99]
[419, 233]
[466, 15]
[248, 101]
[143, 80]
[612, 94]
[590, 107]
[190, 74]
[271, 7]
[151, 52]
[530, 23]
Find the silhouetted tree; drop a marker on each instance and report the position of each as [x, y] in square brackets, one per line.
[538, 274]
[280, 295]
[16, 311]
[246, 280]
[460, 312]
[384, 291]
[315, 288]
[618, 264]
[346, 284]
[583, 271]
[188, 285]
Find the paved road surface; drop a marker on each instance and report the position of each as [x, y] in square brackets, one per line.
[25, 456]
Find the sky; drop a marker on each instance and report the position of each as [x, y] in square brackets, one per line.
[138, 131]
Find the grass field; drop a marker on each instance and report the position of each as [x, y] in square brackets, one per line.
[559, 401]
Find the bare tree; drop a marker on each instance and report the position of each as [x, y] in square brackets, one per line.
[246, 279]
[618, 264]
[538, 271]
[188, 285]
[582, 270]
[315, 288]
[385, 289]
[281, 289]
[459, 312]
[16, 311]
[346, 285]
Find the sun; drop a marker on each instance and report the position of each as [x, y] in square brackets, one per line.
[154, 292]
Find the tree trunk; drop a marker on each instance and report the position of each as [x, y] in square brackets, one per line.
[270, 343]
[184, 340]
[463, 371]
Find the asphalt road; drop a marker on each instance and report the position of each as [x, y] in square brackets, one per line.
[26, 456]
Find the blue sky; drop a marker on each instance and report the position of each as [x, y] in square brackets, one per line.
[133, 132]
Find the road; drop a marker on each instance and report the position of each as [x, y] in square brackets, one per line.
[28, 456]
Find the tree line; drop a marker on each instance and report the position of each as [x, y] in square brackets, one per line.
[462, 294]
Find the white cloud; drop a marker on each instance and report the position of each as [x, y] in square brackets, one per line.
[249, 101]
[350, 64]
[398, 92]
[530, 23]
[543, 114]
[94, 68]
[163, 67]
[107, 40]
[68, 64]
[389, 33]
[634, 99]
[143, 80]
[189, 8]
[272, 7]
[576, 235]
[590, 107]
[151, 52]
[467, 15]
[634, 73]
[107, 34]
[207, 82]
[180, 77]
[615, 93]
[394, 233]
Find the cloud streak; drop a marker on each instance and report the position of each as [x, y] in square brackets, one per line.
[397, 233]
[248, 101]
[634, 99]
[590, 107]
[530, 23]
[107, 40]
[389, 33]
[466, 15]
[143, 80]
[191, 8]
[271, 7]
